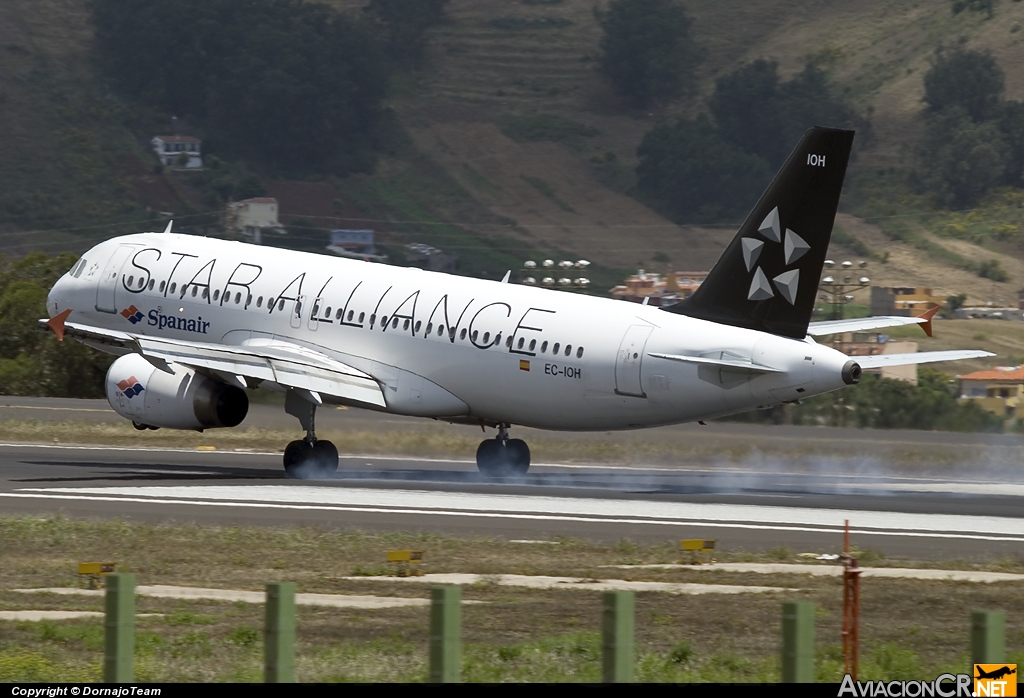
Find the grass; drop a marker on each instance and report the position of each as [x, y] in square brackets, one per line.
[910, 628]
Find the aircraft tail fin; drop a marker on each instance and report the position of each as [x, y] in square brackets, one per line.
[767, 278]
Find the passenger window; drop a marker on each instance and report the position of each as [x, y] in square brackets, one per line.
[462, 335]
[206, 292]
[216, 294]
[195, 291]
[405, 325]
[487, 337]
[568, 349]
[579, 353]
[248, 300]
[554, 349]
[430, 327]
[474, 335]
[508, 343]
[270, 302]
[173, 286]
[152, 283]
[440, 330]
[497, 339]
[327, 313]
[142, 282]
[162, 286]
[238, 298]
[543, 348]
[259, 302]
[349, 316]
[361, 316]
[131, 280]
[373, 318]
[520, 344]
[417, 328]
[280, 304]
[533, 344]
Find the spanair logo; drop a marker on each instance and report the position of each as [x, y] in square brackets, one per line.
[130, 387]
[793, 248]
[995, 680]
[132, 314]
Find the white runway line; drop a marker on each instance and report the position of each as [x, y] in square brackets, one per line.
[575, 584]
[311, 497]
[162, 591]
[837, 571]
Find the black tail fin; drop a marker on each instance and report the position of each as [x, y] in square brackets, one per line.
[767, 279]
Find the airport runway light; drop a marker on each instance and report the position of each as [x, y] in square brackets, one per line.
[527, 274]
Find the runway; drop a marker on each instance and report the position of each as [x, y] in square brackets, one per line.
[743, 508]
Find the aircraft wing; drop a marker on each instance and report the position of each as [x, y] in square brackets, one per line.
[861, 324]
[921, 357]
[286, 364]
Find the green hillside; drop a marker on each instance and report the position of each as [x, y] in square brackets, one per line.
[516, 148]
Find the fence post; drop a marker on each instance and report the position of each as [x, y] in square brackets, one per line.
[446, 634]
[798, 642]
[279, 649]
[119, 629]
[988, 637]
[617, 636]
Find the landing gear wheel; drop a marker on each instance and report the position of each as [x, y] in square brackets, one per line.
[498, 458]
[325, 456]
[296, 456]
[303, 459]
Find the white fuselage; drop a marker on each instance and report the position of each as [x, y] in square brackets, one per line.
[439, 344]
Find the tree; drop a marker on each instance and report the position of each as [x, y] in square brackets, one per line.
[689, 173]
[766, 117]
[295, 86]
[1011, 125]
[646, 51]
[31, 362]
[962, 159]
[970, 80]
[405, 26]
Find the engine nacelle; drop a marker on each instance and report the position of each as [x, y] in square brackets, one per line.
[183, 400]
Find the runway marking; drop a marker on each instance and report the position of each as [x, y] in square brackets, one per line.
[547, 508]
[163, 591]
[531, 581]
[836, 571]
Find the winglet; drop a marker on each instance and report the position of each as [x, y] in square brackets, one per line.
[168, 228]
[56, 324]
[928, 315]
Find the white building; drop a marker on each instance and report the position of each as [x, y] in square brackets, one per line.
[179, 151]
[250, 216]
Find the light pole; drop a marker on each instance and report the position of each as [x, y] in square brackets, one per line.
[839, 284]
[561, 275]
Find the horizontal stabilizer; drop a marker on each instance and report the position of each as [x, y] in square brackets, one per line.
[861, 324]
[921, 357]
[735, 365]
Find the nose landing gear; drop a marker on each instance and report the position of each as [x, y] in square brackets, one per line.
[502, 456]
[309, 457]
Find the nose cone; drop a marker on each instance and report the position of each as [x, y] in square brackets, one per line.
[58, 298]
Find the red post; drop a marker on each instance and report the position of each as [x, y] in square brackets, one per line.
[851, 608]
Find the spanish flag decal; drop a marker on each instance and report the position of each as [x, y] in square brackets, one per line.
[524, 365]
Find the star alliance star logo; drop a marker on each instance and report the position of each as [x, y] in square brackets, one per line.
[793, 246]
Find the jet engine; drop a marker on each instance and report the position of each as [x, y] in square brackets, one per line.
[184, 399]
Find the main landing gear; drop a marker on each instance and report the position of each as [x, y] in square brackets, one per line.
[309, 457]
[502, 456]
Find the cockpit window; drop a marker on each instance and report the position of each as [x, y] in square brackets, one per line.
[76, 271]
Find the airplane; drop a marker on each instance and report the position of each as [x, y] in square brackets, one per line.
[995, 673]
[197, 322]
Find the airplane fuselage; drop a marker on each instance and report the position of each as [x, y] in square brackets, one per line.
[445, 346]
